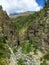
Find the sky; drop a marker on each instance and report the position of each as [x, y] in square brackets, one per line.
[21, 5]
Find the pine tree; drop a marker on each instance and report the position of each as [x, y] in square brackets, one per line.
[46, 3]
[0, 7]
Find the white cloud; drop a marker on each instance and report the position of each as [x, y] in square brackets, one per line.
[19, 5]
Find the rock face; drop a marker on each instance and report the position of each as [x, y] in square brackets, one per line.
[39, 31]
[7, 29]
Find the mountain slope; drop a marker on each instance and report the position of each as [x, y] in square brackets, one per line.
[29, 34]
[34, 26]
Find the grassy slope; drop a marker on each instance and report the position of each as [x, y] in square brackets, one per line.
[24, 21]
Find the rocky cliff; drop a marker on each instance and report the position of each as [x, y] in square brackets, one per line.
[34, 26]
[7, 29]
[29, 34]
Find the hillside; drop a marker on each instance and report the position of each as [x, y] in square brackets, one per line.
[14, 15]
[7, 37]
[34, 26]
[24, 40]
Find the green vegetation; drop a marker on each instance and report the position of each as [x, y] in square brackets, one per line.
[47, 4]
[0, 7]
[21, 62]
[15, 49]
[44, 63]
[29, 55]
[4, 51]
[3, 47]
[26, 47]
[3, 61]
[46, 56]
[23, 22]
[34, 45]
[20, 22]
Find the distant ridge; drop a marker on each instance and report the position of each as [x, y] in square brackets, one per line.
[20, 14]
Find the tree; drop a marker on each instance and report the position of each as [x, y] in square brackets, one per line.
[46, 3]
[46, 56]
[21, 62]
[0, 7]
[44, 63]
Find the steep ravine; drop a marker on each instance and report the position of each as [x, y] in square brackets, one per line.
[35, 27]
[31, 29]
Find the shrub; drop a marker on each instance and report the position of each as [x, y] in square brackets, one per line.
[46, 56]
[3, 61]
[26, 47]
[44, 63]
[21, 62]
